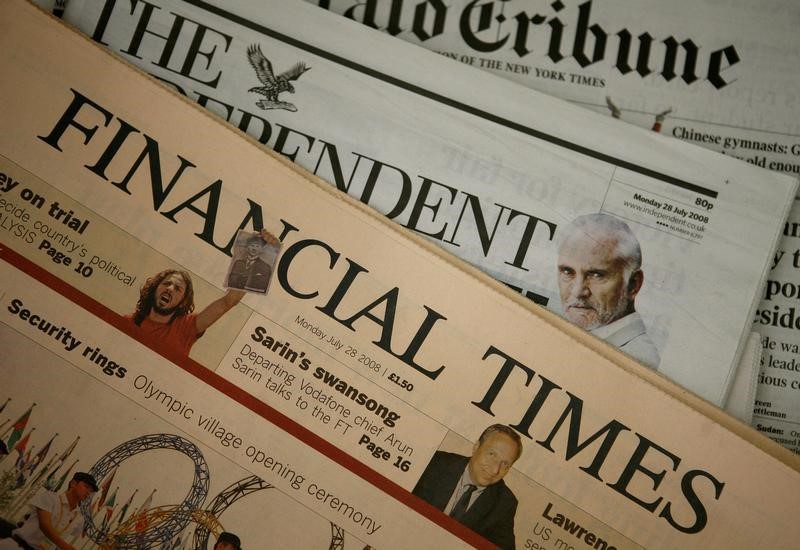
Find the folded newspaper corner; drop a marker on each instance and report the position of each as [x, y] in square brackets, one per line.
[158, 393]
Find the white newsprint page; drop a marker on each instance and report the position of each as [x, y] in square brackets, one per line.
[776, 411]
[151, 401]
[720, 74]
[653, 245]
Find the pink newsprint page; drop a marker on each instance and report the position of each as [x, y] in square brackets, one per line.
[323, 412]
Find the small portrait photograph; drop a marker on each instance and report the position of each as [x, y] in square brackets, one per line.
[470, 487]
[254, 256]
[493, 486]
[599, 278]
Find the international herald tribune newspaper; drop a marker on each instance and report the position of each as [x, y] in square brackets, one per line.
[513, 182]
[309, 415]
[719, 74]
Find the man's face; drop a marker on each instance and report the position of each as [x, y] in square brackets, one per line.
[492, 459]
[169, 294]
[591, 281]
[254, 248]
[81, 490]
[224, 546]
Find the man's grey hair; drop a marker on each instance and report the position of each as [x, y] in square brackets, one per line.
[600, 226]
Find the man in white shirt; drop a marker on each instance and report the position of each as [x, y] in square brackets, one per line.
[599, 276]
[55, 517]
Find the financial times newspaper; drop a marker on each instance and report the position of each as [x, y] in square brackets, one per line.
[152, 401]
[651, 244]
[722, 75]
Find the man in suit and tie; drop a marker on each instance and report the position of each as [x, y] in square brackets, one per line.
[251, 272]
[472, 490]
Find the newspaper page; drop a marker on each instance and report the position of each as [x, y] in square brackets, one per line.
[720, 74]
[776, 412]
[516, 183]
[330, 410]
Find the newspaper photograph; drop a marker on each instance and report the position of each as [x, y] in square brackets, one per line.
[654, 246]
[252, 262]
[380, 385]
[694, 72]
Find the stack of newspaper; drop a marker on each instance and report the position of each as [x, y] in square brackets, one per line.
[303, 370]
[726, 86]
[495, 174]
